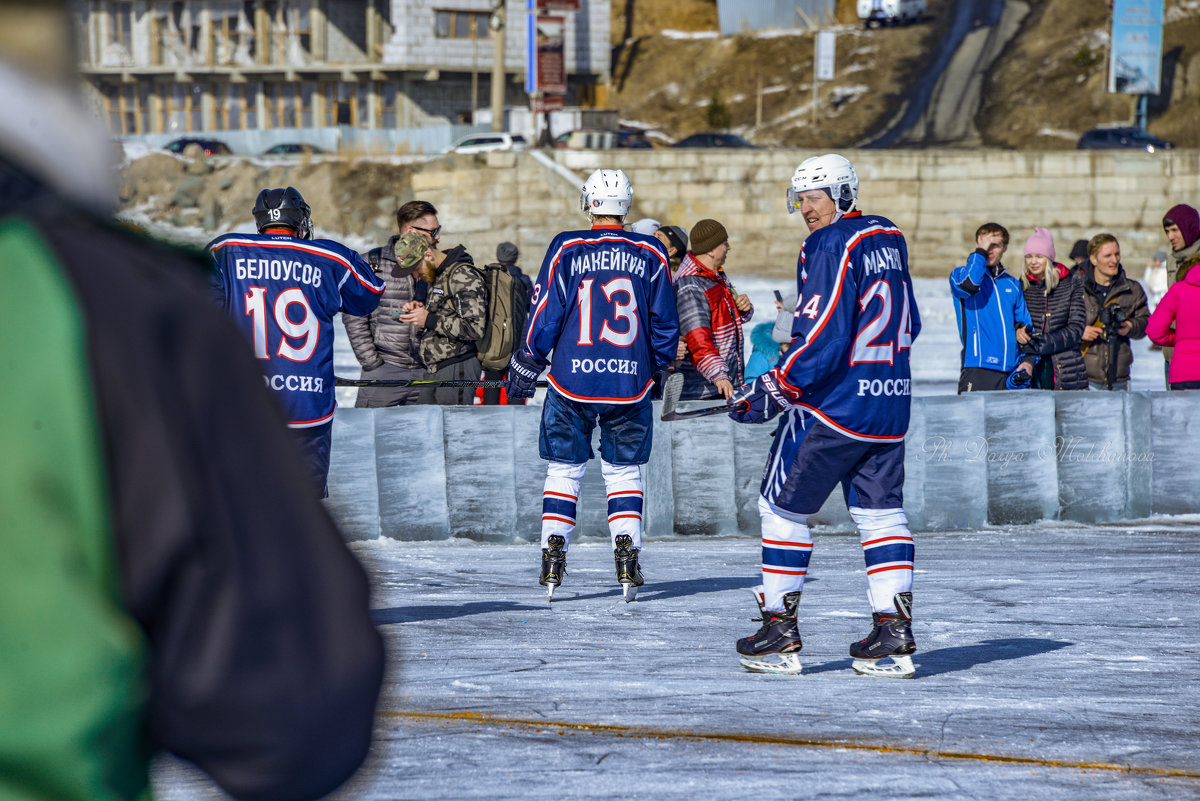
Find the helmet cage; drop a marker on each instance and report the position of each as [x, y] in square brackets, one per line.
[832, 174]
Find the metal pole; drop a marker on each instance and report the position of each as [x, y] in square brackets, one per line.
[497, 26]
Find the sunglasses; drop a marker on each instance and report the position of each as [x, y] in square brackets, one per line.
[433, 232]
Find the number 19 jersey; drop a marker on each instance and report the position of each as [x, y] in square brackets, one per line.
[283, 292]
[603, 305]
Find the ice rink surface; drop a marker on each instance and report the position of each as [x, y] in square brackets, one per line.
[1056, 661]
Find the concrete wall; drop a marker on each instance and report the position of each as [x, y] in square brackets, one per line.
[429, 473]
[937, 197]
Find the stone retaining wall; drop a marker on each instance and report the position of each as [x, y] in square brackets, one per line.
[937, 197]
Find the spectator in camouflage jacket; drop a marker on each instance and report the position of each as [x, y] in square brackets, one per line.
[451, 321]
[384, 346]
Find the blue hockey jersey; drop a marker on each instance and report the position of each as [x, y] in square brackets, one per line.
[283, 292]
[603, 305]
[855, 322]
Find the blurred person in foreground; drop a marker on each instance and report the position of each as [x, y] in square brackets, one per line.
[1054, 296]
[1116, 313]
[164, 586]
[844, 389]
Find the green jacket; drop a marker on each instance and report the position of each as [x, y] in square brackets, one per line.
[162, 583]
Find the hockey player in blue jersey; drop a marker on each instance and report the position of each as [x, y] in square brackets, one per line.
[282, 288]
[603, 317]
[844, 389]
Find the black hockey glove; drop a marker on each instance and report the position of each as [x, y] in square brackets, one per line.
[760, 401]
[523, 372]
[1037, 346]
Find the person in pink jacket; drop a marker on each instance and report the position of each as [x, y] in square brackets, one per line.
[1181, 306]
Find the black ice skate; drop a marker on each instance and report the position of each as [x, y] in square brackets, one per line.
[554, 564]
[775, 648]
[629, 573]
[891, 637]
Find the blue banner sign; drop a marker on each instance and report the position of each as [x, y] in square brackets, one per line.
[1135, 63]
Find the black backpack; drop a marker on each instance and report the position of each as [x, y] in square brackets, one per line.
[508, 306]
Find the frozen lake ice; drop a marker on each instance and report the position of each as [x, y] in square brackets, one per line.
[1055, 662]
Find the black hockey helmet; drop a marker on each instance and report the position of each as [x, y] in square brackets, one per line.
[283, 207]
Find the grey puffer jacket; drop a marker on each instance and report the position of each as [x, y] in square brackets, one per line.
[380, 337]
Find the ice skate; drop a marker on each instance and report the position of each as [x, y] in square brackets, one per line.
[775, 647]
[554, 564]
[891, 640]
[629, 572]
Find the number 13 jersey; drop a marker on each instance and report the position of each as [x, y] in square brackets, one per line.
[603, 314]
[282, 292]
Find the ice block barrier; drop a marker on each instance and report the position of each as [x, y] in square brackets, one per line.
[1001, 458]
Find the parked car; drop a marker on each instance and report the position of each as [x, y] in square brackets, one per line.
[633, 138]
[890, 12]
[711, 139]
[482, 143]
[294, 149]
[1128, 137]
[212, 147]
[586, 139]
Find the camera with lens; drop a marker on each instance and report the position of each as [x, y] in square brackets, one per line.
[1111, 318]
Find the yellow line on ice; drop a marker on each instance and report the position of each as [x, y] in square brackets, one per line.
[482, 721]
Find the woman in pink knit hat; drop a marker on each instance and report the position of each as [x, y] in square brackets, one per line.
[1054, 295]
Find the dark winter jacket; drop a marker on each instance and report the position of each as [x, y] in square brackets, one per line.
[380, 337]
[178, 585]
[1058, 322]
[457, 306]
[1130, 296]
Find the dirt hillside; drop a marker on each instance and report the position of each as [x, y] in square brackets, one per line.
[1048, 87]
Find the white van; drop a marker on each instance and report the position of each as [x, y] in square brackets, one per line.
[890, 12]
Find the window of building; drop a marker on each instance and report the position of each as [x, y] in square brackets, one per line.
[389, 95]
[308, 96]
[290, 105]
[289, 31]
[461, 24]
[340, 102]
[119, 15]
[232, 32]
[177, 33]
[229, 102]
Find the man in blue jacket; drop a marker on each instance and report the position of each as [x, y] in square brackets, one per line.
[603, 317]
[844, 393]
[993, 319]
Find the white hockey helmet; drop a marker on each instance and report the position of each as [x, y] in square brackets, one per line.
[831, 172]
[607, 193]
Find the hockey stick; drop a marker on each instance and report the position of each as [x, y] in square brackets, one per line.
[672, 389]
[423, 382]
